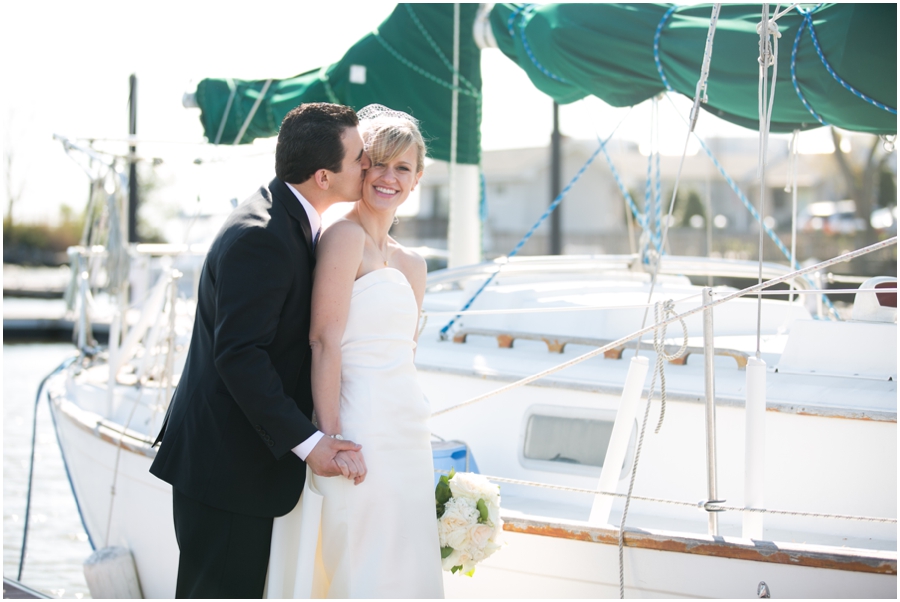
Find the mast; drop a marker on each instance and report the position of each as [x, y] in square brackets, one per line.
[555, 184]
[464, 229]
[132, 162]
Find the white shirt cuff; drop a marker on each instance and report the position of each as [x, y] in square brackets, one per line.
[307, 446]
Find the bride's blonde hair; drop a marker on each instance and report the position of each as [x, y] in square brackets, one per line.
[387, 134]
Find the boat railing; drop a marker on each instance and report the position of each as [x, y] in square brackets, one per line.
[672, 265]
[153, 326]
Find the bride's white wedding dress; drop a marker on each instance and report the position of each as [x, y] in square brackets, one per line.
[378, 539]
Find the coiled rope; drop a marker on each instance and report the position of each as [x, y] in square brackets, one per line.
[662, 310]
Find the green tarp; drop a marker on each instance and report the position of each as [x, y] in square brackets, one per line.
[408, 66]
[606, 50]
[575, 50]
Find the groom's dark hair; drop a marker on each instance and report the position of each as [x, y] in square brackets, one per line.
[310, 140]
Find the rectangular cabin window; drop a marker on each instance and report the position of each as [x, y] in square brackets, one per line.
[575, 440]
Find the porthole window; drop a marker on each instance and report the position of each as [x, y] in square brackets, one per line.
[567, 439]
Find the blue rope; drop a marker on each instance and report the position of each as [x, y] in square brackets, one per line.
[812, 32]
[648, 200]
[635, 211]
[753, 212]
[657, 235]
[511, 22]
[484, 205]
[656, 37]
[510, 26]
[528, 235]
[794, 74]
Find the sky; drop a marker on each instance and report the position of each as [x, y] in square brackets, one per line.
[66, 66]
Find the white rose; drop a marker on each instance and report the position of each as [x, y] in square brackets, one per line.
[491, 547]
[474, 487]
[453, 526]
[478, 536]
[467, 562]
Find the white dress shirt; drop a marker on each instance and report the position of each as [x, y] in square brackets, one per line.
[315, 222]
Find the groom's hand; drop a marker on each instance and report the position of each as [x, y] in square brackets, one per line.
[322, 457]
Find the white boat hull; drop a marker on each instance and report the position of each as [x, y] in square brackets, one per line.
[543, 558]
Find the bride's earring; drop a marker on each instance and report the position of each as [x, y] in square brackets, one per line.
[396, 220]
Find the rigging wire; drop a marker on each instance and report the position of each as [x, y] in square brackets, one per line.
[540, 220]
[65, 364]
[699, 94]
[768, 57]
[747, 205]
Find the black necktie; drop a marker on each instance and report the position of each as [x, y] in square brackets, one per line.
[316, 239]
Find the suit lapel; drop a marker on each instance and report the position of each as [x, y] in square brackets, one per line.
[281, 194]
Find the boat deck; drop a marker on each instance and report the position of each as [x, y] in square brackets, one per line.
[14, 590]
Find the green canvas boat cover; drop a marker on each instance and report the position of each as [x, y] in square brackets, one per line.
[571, 51]
[405, 64]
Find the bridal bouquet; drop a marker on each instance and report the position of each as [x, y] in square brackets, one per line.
[469, 524]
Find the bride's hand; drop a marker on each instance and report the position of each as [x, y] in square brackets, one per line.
[322, 458]
[352, 464]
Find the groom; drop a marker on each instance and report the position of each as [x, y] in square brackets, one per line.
[238, 430]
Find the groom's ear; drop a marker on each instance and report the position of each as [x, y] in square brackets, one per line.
[321, 179]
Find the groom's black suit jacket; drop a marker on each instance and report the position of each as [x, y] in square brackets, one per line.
[244, 399]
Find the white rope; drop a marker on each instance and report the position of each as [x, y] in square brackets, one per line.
[661, 311]
[259, 99]
[699, 93]
[702, 505]
[819, 291]
[792, 185]
[227, 110]
[768, 55]
[784, 12]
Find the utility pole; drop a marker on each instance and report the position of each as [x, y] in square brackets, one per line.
[555, 184]
[132, 160]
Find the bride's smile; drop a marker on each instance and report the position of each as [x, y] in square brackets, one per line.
[388, 183]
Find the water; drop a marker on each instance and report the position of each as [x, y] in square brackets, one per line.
[57, 543]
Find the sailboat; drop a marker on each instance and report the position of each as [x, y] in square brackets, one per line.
[771, 468]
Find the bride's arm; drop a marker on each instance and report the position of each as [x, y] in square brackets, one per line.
[416, 271]
[338, 256]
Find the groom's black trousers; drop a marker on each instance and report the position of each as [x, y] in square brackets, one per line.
[223, 554]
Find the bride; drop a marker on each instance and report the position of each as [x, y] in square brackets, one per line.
[375, 537]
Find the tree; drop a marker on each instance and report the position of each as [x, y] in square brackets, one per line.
[862, 180]
[15, 187]
[887, 188]
[693, 206]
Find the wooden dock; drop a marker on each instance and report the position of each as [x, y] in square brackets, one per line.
[44, 324]
[35, 282]
[17, 591]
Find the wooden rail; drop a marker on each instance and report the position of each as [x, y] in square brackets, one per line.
[557, 344]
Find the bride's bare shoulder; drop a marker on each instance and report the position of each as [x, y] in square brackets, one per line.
[412, 265]
[345, 230]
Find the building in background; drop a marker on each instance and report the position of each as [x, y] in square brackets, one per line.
[517, 192]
